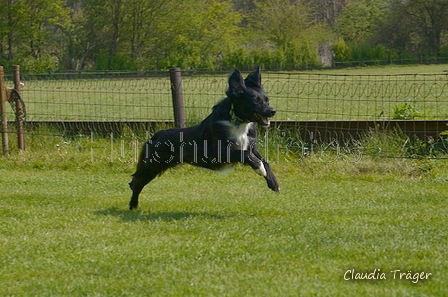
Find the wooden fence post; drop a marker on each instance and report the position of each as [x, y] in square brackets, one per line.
[19, 110]
[178, 98]
[4, 122]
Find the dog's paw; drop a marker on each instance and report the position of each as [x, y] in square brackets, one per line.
[133, 205]
[272, 183]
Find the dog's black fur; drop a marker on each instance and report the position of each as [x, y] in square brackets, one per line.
[225, 137]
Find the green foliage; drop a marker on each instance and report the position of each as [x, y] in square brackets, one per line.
[357, 22]
[293, 55]
[444, 50]
[198, 37]
[381, 144]
[415, 28]
[33, 32]
[349, 52]
[282, 21]
[118, 61]
[408, 30]
[107, 34]
[291, 33]
[406, 111]
[342, 52]
[121, 35]
[426, 148]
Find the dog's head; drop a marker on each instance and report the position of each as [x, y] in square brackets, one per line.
[250, 102]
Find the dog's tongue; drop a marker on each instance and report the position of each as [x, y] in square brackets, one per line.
[265, 121]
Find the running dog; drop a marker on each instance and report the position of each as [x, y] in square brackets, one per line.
[227, 136]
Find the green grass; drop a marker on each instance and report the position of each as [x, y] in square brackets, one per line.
[66, 230]
[349, 94]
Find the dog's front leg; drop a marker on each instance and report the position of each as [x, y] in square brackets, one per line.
[264, 169]
[254, 159]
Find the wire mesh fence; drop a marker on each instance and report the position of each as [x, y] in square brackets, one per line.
[296, 96]
[98, 99]
[118, 99]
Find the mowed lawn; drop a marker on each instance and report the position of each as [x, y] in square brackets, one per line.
[66, 230]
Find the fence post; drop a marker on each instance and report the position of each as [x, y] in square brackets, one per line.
[178, 97]
[4, 122]
[19, 110]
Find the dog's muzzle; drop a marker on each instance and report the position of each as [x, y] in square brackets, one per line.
[264, 119]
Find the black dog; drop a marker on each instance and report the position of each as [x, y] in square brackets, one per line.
[225, 137]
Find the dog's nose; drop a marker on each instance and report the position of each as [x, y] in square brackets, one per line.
[273, 112]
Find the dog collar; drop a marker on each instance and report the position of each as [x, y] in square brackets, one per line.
[234, 119]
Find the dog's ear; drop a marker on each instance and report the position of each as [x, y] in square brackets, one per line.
[254, 78]
[236, 85]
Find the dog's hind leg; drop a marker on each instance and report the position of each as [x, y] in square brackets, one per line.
[139, 181]
[148, 168]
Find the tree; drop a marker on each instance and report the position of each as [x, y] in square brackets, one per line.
[79, 44]
[144, 22]
[290, 29]
[327, 11]
[207, 29]
[98, 29]
[157, 33]
[281, 21]
[415, 26]
[8, 20]
[430, 20]
[33, 31]
[357, 23]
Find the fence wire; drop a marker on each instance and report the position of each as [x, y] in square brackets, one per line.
[296, 96]
[104, 104]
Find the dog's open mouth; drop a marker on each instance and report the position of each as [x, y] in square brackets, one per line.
[262, 120]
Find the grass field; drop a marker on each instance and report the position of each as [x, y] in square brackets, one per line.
[66, 230]
[349, 94]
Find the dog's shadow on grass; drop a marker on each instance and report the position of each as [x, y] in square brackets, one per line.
[126, 215]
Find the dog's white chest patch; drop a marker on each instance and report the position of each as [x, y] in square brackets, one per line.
[238, 134]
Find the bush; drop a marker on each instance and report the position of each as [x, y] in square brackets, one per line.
[116, 62]
[342, 52]
[444, 51]
[293, 55]
[405, 111]
[347, 52]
